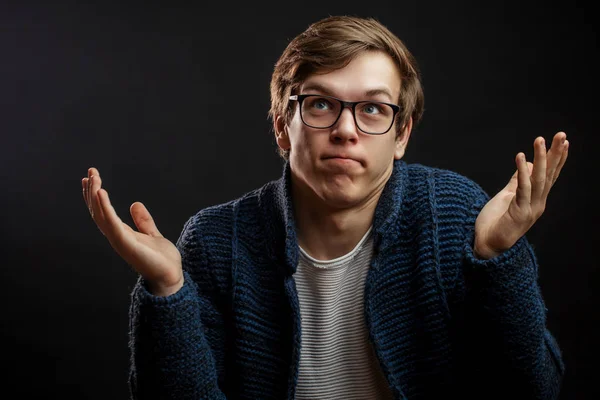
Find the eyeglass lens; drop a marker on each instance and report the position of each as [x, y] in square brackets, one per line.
[371, 117]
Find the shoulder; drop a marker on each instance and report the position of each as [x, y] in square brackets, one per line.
[443, 185]
[209, 238]
[216, 224]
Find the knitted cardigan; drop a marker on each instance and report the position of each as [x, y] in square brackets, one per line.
[441, 321]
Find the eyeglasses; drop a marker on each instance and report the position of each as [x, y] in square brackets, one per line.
[321, 112]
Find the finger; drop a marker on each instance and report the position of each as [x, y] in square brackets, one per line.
[512, 184]
[538, 176]
[94, 187]
[523, 195]
[113, 224]
[84, 183]
[554, 155]
[97, 207]
[87, 194]
[561, 163]
[88, 190]
[143, 220]
[563, 159]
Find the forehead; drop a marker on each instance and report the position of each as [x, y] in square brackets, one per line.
[369, 72]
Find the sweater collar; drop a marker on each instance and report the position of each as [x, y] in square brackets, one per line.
[277, 205]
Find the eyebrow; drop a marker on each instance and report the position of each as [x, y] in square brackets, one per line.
[369, 93]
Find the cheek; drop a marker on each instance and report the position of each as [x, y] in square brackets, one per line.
[302, 140]
[295, 123]
[296, 141]
[384, 150]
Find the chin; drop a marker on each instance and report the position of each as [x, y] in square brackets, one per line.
[341, 197]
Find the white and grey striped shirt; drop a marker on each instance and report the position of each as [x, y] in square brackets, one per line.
[337, 360]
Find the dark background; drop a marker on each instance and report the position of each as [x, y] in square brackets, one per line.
[170, 104]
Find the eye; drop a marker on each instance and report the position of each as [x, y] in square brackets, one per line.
[372, 108]
[321, 104]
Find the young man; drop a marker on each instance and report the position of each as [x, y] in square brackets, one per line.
[355, 275]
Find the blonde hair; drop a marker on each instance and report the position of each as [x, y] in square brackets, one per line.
[332, 43]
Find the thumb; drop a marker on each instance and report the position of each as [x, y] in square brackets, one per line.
[513, 183]
[143, 220]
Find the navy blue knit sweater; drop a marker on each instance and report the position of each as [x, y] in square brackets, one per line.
[441, 321]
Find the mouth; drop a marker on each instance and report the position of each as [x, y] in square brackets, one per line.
[342, 159]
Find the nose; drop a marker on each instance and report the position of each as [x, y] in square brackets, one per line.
[345, 128]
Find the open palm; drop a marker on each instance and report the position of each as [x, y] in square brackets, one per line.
[147, 251]
[510, 214]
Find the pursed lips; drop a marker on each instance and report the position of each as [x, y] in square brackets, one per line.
[342, 158]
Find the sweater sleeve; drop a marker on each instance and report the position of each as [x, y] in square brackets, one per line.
[504, 319]
[176, 341]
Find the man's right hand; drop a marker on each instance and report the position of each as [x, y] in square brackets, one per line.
[146, 251]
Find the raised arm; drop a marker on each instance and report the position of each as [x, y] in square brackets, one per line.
[175, 327]
[502, 323]
[503, 317]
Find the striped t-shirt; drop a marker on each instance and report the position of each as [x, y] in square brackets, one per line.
[337, 360]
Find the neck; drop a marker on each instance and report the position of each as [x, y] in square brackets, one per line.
[326, 233]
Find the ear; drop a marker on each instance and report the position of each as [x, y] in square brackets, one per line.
[402, 140]
[281, 133]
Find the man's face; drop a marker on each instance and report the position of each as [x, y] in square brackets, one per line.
[341, 165]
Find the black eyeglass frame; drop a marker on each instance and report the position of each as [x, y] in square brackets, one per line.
[345, 104]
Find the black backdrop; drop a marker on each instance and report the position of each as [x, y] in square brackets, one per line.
[170, 104]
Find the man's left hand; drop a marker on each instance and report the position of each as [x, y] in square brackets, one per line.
[508, 215]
